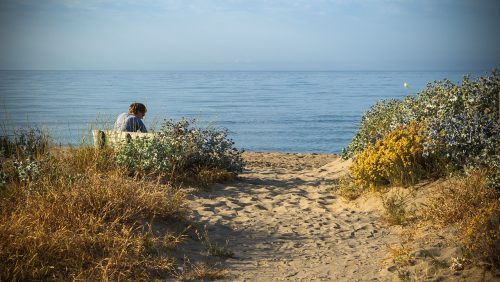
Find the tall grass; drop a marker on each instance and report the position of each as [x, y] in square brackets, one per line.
[80, 220]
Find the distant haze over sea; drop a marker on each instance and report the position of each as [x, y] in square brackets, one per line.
[289, 111]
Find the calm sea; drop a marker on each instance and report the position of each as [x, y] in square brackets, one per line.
[265, 111]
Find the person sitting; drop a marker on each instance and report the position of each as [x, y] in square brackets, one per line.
[132, 121]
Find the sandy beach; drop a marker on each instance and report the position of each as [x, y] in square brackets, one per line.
[283, 222]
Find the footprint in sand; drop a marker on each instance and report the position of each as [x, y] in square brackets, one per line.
[291, 230]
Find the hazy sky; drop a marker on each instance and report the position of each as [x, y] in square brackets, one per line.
[250, 34]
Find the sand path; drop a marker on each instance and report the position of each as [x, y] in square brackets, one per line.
[282, 222]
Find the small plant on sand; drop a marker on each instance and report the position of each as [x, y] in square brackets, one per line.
[395, 206]
[347, 189]
[213, 248]
[204, 176]
[200, 272]
[402, 257]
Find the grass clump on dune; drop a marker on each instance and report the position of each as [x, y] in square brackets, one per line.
[469, 204]
[88, 229]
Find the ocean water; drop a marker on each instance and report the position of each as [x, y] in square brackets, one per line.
[265, 111]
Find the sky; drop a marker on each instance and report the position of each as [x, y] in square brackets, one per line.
[250, 34]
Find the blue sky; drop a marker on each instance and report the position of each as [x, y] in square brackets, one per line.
[250, 34]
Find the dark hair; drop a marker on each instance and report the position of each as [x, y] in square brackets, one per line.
[135, 108]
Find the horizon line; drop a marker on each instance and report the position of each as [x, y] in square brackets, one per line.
[259, 70]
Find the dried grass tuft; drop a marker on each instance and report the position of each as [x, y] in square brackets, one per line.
[79, 220]
[475, 209]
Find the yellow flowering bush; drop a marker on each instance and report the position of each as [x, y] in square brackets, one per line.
[395, 159]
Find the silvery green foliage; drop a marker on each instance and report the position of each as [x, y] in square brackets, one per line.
[466, 130]
[28, 170]
[463, 139]
[380, 119]
[202, 147]
[461, 120]
[145, 155]
[179, 147]
[25, 148]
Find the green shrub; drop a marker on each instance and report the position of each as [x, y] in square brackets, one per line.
[22, 155]
[145, 155]
[180, 148]
[461, 122]
[375, 123]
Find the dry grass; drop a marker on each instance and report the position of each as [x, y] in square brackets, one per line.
[459, 199]
[474, 208]
[203, 177]
[202, 272]
[80, 221]
[401, 255]
[395, 207]
[481, 234]
[213, 248]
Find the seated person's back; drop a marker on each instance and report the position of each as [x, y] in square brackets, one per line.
[132, 121]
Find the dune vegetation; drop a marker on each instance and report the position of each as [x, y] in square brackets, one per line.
[448, 132]
[90, 214]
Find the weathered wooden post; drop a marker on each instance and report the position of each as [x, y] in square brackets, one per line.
[101, 139]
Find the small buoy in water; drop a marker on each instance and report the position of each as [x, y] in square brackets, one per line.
[405, 85]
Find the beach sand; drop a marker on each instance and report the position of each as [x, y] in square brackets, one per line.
[283, 222]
